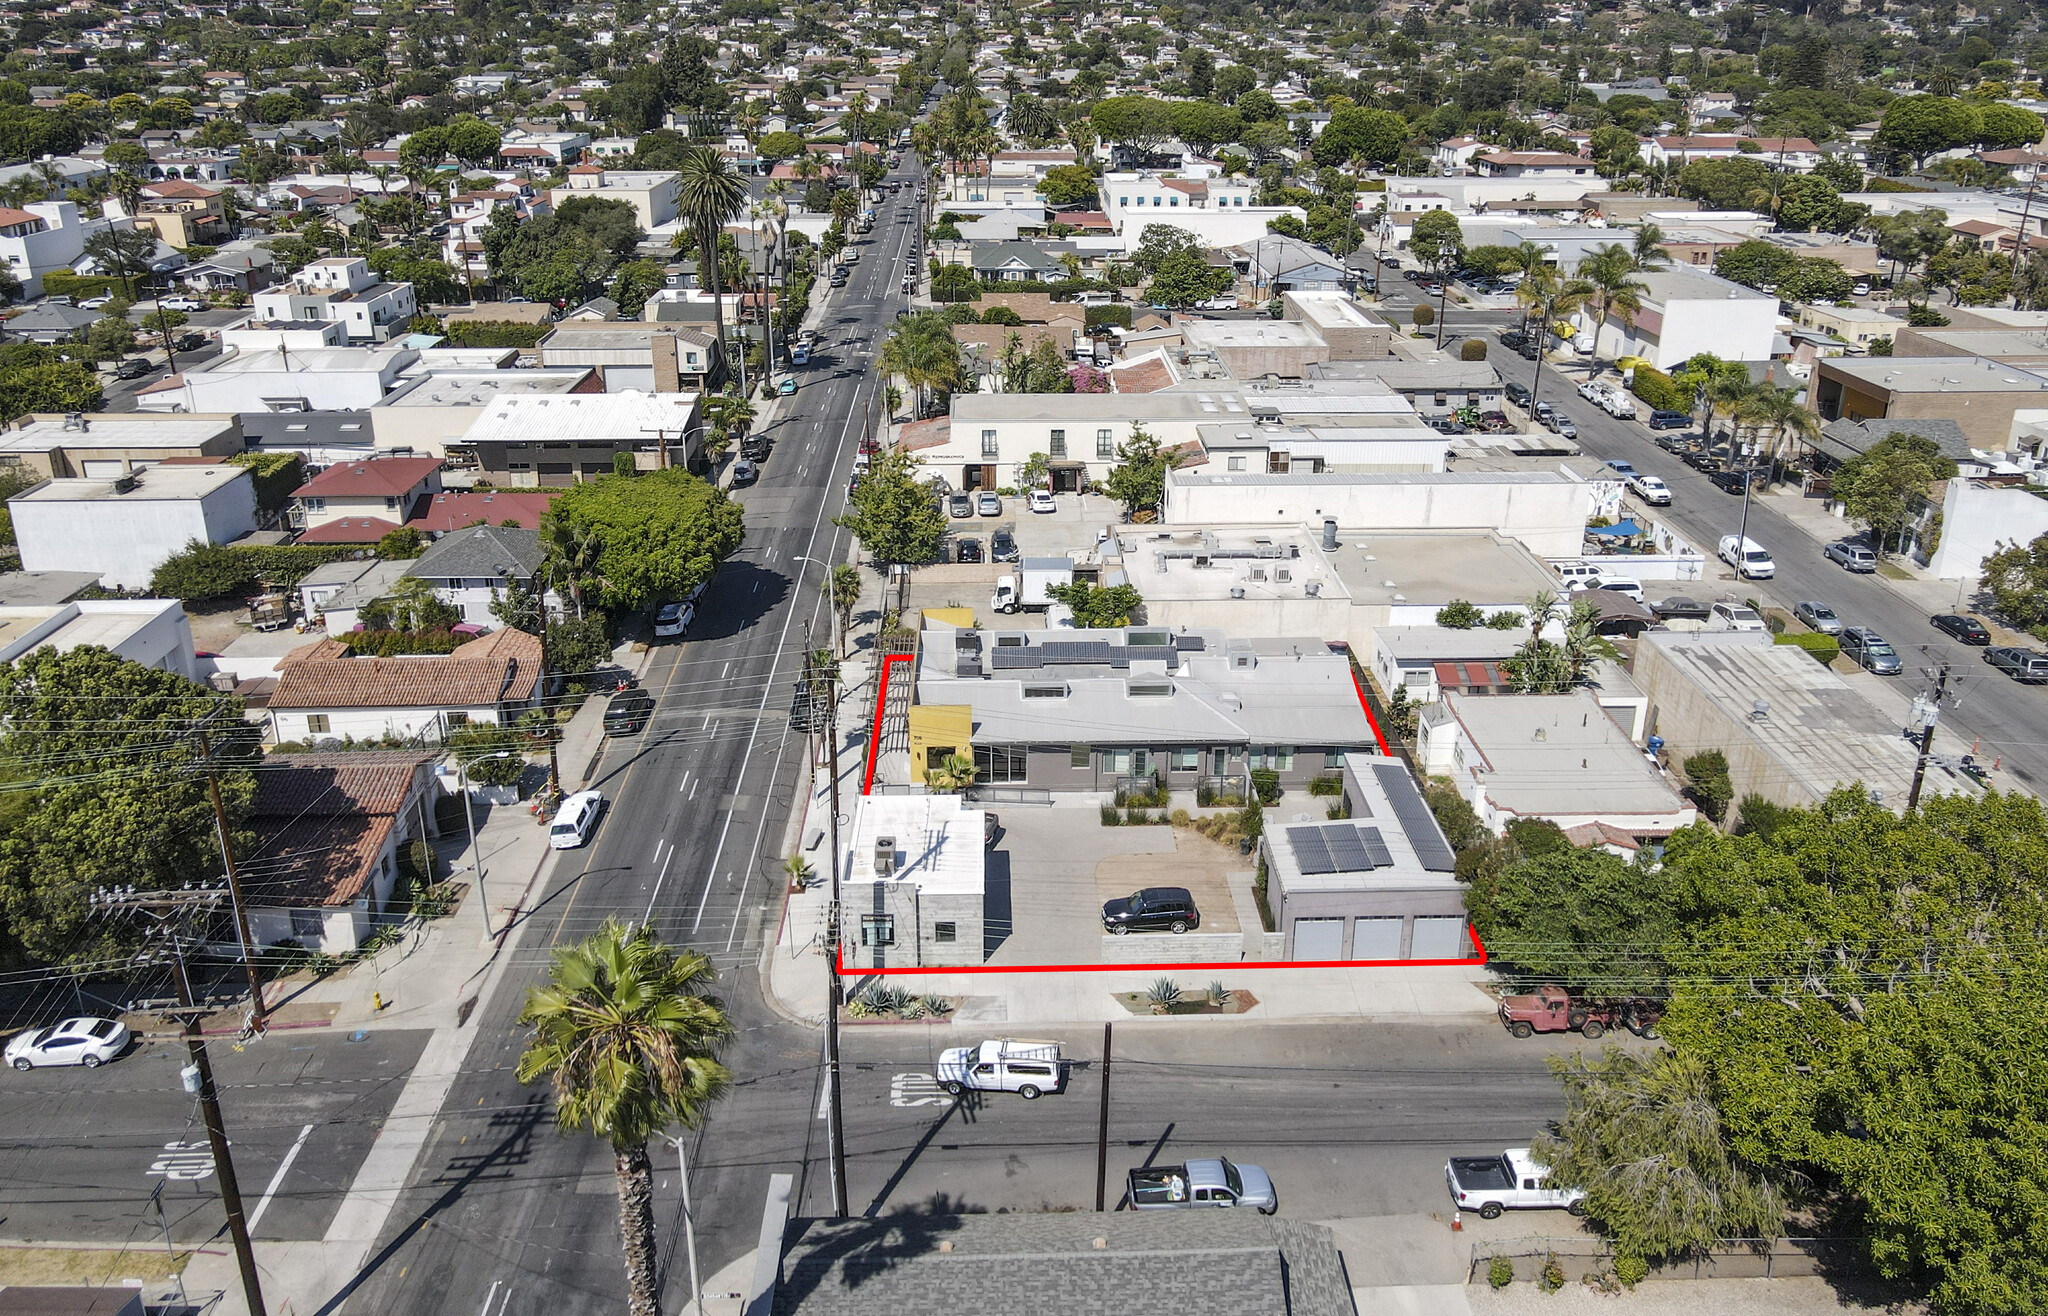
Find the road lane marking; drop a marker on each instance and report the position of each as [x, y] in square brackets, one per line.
[726, 670]
[693, 787]
[906, 1090]
[277, 1180]
[659, 878]
[657, 850]
[685, 783]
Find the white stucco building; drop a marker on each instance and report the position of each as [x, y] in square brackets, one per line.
[44, 236]
[912, 883]
[1686, 312]
[123, 528]
[153, 632]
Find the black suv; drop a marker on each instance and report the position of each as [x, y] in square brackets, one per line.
[628, 712]
[1517, 393]
[1670, 420]
[1156, 908]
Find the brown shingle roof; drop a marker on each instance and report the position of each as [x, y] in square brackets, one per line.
[320, 821]
[503, 666]
[384, 477]
[349, 530]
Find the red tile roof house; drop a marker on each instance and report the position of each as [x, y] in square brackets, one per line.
[324, 694]
[327, 830]
[384, 490]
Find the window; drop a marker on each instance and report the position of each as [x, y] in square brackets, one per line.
[877, 929]
[1079, 756]
[1045, 691]
[1186, 760]
[996, 765]
[1103, 445]
[1151, 690]
[1443, 399]
[1280, 758]
[456, 719]
[1059, 443]
[1276, 463]
[316, 724]
[1173, 201]
[1117, 762]
[1123, 201]
[1333, 759]
[307, 924]
[948, 931]
[1237, 463]
[315, 504]
[988, 443]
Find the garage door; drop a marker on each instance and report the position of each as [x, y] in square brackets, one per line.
[1319, 939]
[104, 470]
[1376, 939]
[1438, 939]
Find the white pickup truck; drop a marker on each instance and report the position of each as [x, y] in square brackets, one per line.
[1511, 1181]
[1023, 1065]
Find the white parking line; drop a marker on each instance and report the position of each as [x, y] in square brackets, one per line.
[283, 1168]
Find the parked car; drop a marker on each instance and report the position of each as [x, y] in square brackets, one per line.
[787, 387]
[1577, 575]
[1671, 441]
[1678, 606]
[95, 303]
[967, 550]
[1669, 420]
[1626, 470]
[1153, 909]
[1447, 425]
[1002, 547]
[181, 302]
[1564, 426]
[2021, 664]
[1817, 616]
[1512, 1181]
[1853, 556]
[744, 472]
[1651, 490]
[1495, 422]
[1967, 629]
[1870, 651]
[189, 342]
[1554, 1010]
[1542, 412]
[79, 1041]
[1862, 288]
[1748, 558]
[1704, 460]
[1626, 586]
[673, 619]
[575, 819]
[1042, 501]
[133, 367]
[628, 712]
[1732, 482]
[1516, 393]
[1021, 1065]
[1726, 616]
[960, 507]
[756, 447]
[988, 504]
[1212, 1182]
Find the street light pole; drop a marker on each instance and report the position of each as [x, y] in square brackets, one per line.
[469, 814]
[689, 1225]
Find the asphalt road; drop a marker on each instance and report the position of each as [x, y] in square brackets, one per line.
[1350, 1119]
[83, 1150]
[500, 1205]
[2008, 720]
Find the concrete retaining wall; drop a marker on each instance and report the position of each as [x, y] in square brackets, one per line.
[1165, 948]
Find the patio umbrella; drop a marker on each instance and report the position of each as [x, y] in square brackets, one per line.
[1623, 529]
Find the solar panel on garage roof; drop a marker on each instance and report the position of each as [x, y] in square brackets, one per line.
[1376, 847]
[1346, 850]
[1311, 854]
[1418, 824]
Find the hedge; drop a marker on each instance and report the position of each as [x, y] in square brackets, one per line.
[496, 333]
[1824, 648]
[61, 283]
[1118, 315]
[1655, 387]
[213, 571]
[275, 475]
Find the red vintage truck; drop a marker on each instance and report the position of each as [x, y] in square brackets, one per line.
[1552, 1009]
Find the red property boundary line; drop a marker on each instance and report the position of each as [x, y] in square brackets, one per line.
[867, 787]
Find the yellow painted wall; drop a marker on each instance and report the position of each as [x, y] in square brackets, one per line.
[961, 617]
[937, 730]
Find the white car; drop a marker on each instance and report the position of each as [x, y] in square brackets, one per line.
[81, 1041]
[673, 619]
[1627, 586]
[1651, 490]
[94, 303]
[180, 302]
[1217, 304]
[1748, 558]
[573, 821]
[1735, 617]
[1042, 501]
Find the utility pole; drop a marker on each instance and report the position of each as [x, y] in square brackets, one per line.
[1927, 720]
[173, 912]
[2019, 242]
[818, 675]
[259, 1015]
[1102, 1126]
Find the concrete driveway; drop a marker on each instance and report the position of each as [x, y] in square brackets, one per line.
[1045, 878]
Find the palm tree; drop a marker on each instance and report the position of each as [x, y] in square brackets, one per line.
[1548, 294]
[1611, 270]
[925, 360]
[624, 1034]
[123, 253]
[954, 774]
[576, 552]
[1649, 253]
[1738, 400]
[711, 196]
[1779, 411]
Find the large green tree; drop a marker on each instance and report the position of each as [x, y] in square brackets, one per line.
[1138, 480]
[1358, 133]
[660, 534]
[626, 1036]
[1584, 918]
[100, 789]
[1919, 126]
[1885, 487]
[895, 515]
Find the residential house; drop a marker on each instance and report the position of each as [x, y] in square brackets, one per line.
[1426, 662]
[322, 864]
[1511, 757]
[283, 377]
[435, 404]
[640, 356]
[334, 593]
[452, 510]
[991, 435]
[1378, 883]
[124, 527]
[913, 883]
[651, 192]
[374, 497]
[1273, 264]
[1015, 262]
[535, 442]
[470, 568]
[44, 236]
[48, 322]
[344, 289]
[1219, 212]
[183, 214]
[325, 694]
[1158, 707]
[1545, 165]
[230, 271]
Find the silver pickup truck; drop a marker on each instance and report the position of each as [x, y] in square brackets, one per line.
[1212, 1182]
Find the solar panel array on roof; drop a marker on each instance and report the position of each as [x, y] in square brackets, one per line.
[1310, 852]
[1190, 643]
[1375, 847]
[1346, 850]
[1418, 824]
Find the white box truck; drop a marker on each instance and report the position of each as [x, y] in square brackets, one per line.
[1039, 573]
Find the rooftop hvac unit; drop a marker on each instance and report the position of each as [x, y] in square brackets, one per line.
[1237, 591]
[1314, 589]
[885, 856]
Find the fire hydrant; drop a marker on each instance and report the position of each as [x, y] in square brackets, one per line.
[376, 1002]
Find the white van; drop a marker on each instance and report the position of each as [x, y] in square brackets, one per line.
[1748, 558]
[1023, 1065]
[1577, 575]
[573, 821]
[1093, 297]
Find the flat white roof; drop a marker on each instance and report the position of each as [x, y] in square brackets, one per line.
[191, 430]
[589, 417]
[1559, 754]
[938, 842]
[479, 388]
[157, 484]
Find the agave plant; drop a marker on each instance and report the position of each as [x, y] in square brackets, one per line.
[1219, 995]
[1164, 994]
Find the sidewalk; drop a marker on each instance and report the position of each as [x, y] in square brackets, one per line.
[795, 975]
[436, 979]
[1812, 516]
